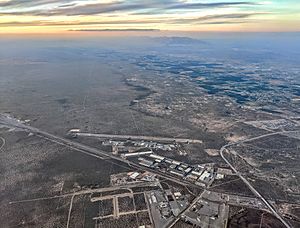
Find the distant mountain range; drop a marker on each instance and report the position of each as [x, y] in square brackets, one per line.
[178, 41]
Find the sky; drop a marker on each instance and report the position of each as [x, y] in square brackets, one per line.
[62, 16]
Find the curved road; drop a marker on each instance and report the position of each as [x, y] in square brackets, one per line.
[95, 152]
[255, 192]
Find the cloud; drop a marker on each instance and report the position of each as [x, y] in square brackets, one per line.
[115, 30]
[29, 3]
[220, 22]
[70, 8]
[212, 18]
[73, 8]
[234, 18]
[185, 6]
[115, 12]
[74, 23]
[208, 19]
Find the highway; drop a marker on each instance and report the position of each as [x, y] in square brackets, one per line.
[10, 122]
[96, 152]
[255, 192]
[138, 137]
[14, 123]
[275, 213]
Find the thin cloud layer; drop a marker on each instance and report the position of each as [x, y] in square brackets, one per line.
[117, 14]
[204, 19]
[69, 7]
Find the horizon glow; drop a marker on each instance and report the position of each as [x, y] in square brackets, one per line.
[61, 16]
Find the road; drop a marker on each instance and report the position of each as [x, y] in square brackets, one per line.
[96, 152]
[70, 211]
[186, 209]
[3, 143]
[116, 207]
[139, 137]
[87, 191]
[14, 123]
[242, 178]
[255, 192]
